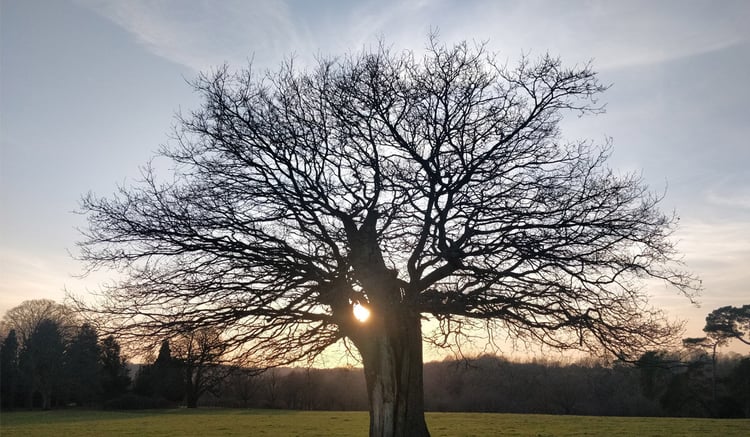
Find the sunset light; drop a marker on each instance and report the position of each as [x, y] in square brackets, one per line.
[360, 312]
[519, 203]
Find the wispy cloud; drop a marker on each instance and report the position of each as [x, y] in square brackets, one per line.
[720, 253]
[202, 34]
[639, 33]
[737, 200]
[614, 34]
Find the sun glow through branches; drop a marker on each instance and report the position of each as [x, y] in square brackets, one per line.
[360, 312]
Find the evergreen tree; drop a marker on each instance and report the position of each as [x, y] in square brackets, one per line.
[41, 362]
[163, 378]
[114, 370]
[143, 384]
[168, 373]
[9, 373]
[82, 366]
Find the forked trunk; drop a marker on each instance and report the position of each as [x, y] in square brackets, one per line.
[390, 341]
[391, 350]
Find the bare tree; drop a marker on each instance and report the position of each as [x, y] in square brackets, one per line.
[417, 187]
[201, 356]
[26, 318]
[243, 384]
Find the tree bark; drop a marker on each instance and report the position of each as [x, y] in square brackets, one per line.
[390, 341]
[391, 349]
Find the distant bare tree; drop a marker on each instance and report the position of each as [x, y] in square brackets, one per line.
[271, 382]
[26, 318]
[201, 354]
[243, 384]
[412, 186]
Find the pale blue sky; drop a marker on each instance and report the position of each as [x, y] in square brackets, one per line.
[88, 90]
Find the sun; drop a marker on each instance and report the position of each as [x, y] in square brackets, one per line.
[361, 313]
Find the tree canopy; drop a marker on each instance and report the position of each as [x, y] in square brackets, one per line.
[728, 323]
[437, 186]
[26, 318]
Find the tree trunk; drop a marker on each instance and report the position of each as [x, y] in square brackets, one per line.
[390, 341]
[391, 349]
[191, 391]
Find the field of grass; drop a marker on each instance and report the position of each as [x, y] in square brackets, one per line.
[277, 423]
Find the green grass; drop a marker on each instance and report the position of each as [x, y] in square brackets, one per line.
[220, 422]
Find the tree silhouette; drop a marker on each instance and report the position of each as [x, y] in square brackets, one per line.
[82, 366]
[26, 318]
[201, 357]
[41, 361]
[727, 323]
[432, 187]
[114, 370]
[167, 376]
[9, 371]
[163, 378]
[722, 325]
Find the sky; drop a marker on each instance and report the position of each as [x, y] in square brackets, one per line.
[89, 90]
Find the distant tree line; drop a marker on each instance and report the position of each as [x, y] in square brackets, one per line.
[48, 360]
[661, 384]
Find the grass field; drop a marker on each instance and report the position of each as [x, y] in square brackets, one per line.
[277, 423]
